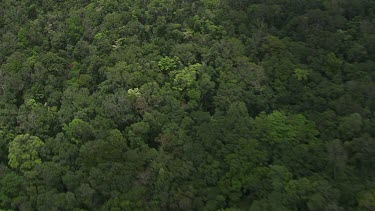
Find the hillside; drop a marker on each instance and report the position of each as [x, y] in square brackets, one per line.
[187, 105]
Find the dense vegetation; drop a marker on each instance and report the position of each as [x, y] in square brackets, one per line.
[187, 105]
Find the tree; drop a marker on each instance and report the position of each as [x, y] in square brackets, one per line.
[367, 200]
[289, 138]
[37, 119]
[79, 131]
[12, 192]
[336, 157]
[301, 74]
[244, 163]
[350, 126]
[166, 63]
[24, 152]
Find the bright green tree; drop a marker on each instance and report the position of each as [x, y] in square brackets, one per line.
[24, 152]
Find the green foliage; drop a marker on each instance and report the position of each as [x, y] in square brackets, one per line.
[22, 37]
[187, 105]
[186, 78]
[79, 131]
[301, 74]
[367, 200]
[74, 29]
[24, 152]
[167, 64]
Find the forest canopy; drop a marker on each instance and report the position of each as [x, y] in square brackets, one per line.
[187, 105]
